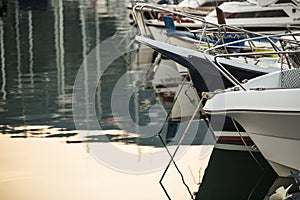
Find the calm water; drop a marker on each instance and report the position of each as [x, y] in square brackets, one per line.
[44, 43]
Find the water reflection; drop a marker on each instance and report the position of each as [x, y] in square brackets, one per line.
[43, 44]
[3, 90]
[38, 62]
[249, 177]
[60, 49]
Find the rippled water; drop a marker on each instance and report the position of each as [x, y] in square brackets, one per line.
[43, 45]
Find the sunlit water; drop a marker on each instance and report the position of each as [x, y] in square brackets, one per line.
[43, 44]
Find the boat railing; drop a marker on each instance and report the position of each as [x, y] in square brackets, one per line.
[140, 9]
[255, 48]
[209, 35]
[277, 43]
[288, 61]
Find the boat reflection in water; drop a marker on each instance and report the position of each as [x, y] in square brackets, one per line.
[233, 171]
[236, 175]
[40, 57]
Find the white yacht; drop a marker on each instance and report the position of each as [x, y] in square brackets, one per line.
[259, 15]
[268, 108]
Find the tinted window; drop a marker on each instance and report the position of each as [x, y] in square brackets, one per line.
[211, 3]
[269, 13]
[285, 1]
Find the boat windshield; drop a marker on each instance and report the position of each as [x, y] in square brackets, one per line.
[259, 14]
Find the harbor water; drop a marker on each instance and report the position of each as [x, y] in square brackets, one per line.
[79, 119]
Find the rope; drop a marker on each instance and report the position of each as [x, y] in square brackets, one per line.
[198, 108]
[252, 155]
[169, 153]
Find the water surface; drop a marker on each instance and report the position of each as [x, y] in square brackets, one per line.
[43, 44]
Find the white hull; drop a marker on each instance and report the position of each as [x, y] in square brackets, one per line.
[279, 151]
[279, 142]
[264, 24]
[160, 34]
[270, 116]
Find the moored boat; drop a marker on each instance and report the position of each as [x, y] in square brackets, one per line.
[268, 109]
[259, 15]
